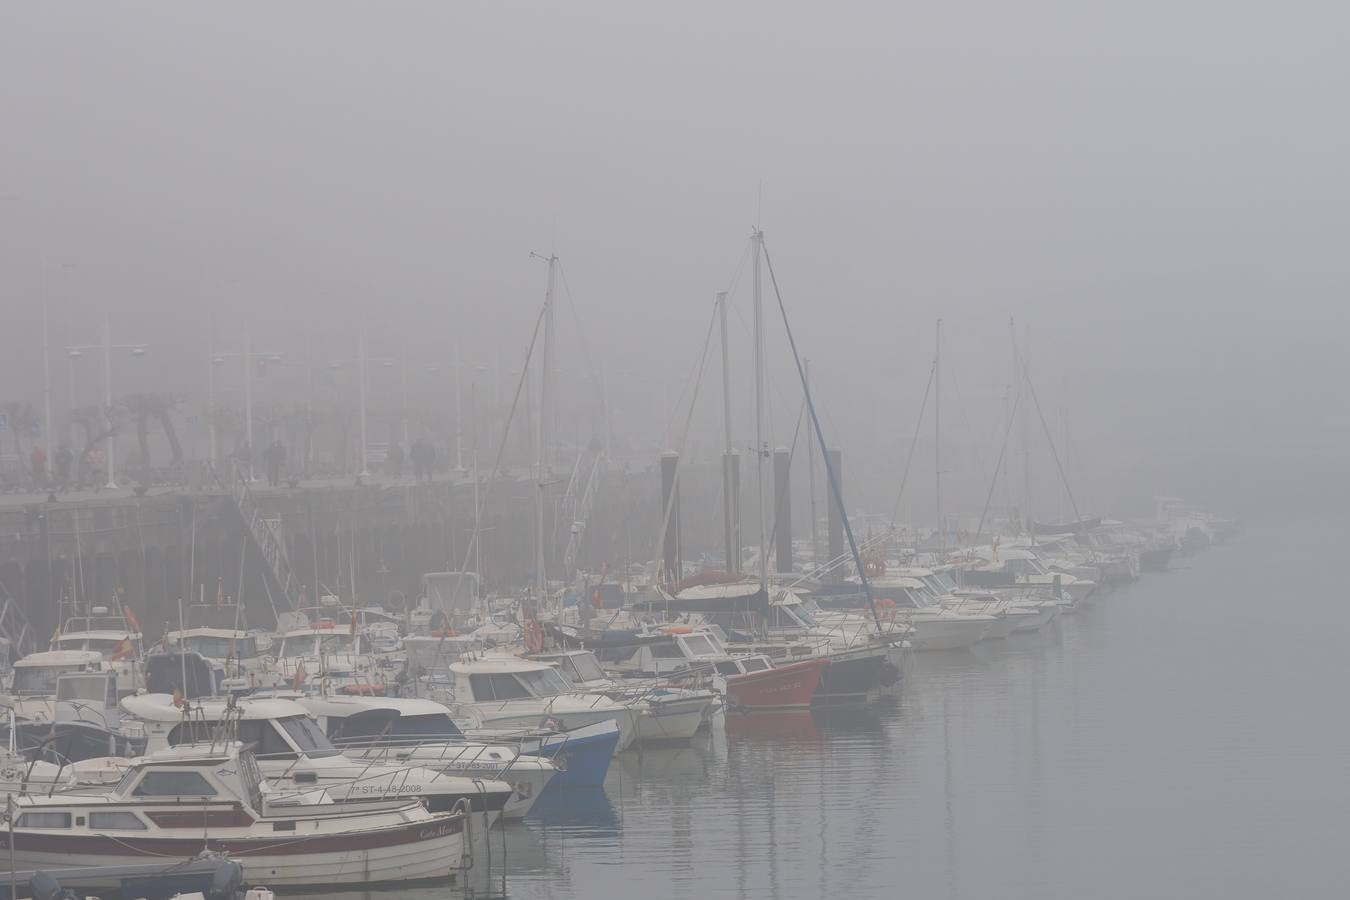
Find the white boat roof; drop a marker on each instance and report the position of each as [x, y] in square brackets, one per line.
[160, 708]
[208, 631]
[102, 635]
[191, 752]
[911, 571]
[894, 581]
[344, 705]
[60, 658]
[486, 664]
[719, 591]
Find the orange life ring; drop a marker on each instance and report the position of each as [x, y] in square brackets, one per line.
[677, 629]
[886, 609]
[534, 636]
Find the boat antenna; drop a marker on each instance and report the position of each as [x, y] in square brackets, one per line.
[831, 476]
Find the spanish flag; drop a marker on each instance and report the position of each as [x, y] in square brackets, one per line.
[300, 676]
[125, 650]
[132, 620]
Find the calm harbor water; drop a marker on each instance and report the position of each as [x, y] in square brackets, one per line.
[1184, 738]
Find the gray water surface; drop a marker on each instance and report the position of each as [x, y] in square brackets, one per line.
[1184, 738]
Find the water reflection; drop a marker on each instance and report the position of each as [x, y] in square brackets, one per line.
[1135, 748]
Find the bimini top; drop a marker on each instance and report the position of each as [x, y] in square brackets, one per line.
[160, 708]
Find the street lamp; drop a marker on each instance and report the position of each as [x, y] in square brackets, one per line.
[107, 346]
[363, 362]
[248, 354]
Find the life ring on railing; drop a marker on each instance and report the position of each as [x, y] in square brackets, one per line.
[362, 690]
[886, 609]
[533, 633]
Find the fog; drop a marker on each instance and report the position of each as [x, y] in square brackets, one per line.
[1154, 192]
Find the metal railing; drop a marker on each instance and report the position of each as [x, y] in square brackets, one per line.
[266, 533]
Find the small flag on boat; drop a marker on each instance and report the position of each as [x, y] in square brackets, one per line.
[131, 618]
[125, 650]
[178, 698]
[300, 676]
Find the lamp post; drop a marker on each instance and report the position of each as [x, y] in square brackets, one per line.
[107, 346]
[248, 355]
[363, 362]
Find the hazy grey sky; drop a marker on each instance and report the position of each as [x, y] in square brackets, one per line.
[1158, 189]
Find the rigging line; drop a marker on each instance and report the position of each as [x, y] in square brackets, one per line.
[998, 467]
[1053, 452]
[581, 332]
[684, 438]
[831, 476]
[501, 447]
[914, 442]
[962, 408]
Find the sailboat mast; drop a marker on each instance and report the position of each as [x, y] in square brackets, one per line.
[937, 439]
[1026, 439]
[757, 240]
[540, 576]
[811, 476]
[731, 512]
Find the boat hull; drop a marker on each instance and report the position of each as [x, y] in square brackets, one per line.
[582, 756]
[672, 720]
[948, 632]
[856, 676]
[792, 686]
[414, 852]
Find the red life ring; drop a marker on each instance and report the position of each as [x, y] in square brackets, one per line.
[886, 609]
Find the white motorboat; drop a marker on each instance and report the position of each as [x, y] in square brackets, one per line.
[508, 692]
[178, 802]
[410, 731]
[219, 633]
[1018, 567]
[934, 627]
[665, 713]
[32, 692]
[295, 754]
[114, 634]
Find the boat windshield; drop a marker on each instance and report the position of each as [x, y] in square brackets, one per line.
[221, 647]
[427, 725]
[295, 647]
[544, 682]
[338, 644]
[701, 645]
[37, 680]
[585, 667]
[307, 736]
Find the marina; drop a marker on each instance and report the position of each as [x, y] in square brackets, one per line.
[621, 452]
